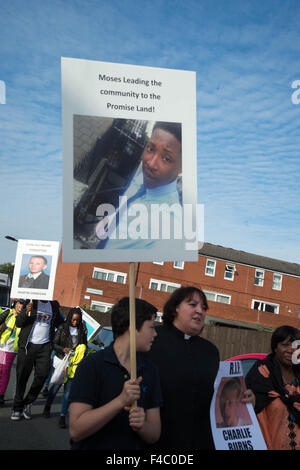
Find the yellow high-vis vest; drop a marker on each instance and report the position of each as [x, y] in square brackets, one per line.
[74, 361]
[10, 324]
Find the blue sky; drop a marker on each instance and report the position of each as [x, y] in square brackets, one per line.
[246, 55]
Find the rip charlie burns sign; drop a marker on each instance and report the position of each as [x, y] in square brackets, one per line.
[234, 424]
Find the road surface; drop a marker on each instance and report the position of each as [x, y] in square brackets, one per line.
[39, 433]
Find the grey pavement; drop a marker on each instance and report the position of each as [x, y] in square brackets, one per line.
[39, 433]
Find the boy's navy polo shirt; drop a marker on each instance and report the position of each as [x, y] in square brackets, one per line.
[99, 379]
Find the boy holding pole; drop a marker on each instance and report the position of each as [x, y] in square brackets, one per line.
[104, 394]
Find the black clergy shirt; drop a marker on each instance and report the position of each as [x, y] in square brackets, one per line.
[187, 369]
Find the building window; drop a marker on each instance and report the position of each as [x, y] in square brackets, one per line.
[277, 281]
[229, 272]
[100, 306]
[100, 275]
[259, 277]
[107, 275]
[94, 291]
[158, 262]
[158, 317]
[210, 267]
[153, 285]
[178, 264]
[163, 286]
[264, 306]
[217, 297]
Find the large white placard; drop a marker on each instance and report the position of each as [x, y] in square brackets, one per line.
[35, 269]
[234, 424]
[129, 132]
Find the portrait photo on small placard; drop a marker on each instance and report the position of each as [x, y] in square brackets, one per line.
[35, 269]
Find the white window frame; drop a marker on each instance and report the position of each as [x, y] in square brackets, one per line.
[214, 294]
[180, 266]
[115, 275]
[159, 283]
[229, 268]
[158, 317]
[258, 270]
[210, 267]
[262, 306]
[279, 283]
[158, 262]
[89, 290]
[101, 304]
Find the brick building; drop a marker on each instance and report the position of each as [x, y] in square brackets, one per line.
[242, 289]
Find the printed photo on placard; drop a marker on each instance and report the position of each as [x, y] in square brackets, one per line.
[130, 163]
[229, 410]
[35, 269]
[112, 177]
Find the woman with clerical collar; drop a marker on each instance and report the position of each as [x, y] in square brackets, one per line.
[188, 365]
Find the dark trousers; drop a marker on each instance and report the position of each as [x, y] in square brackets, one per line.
[37, 357]
[65, 402]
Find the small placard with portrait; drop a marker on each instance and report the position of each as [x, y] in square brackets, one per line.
[35, 269]
[233, 422]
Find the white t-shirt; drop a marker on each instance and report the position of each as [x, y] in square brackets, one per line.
[40, 333]
[74, 335]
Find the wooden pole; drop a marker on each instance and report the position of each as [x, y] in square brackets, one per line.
[132, 327]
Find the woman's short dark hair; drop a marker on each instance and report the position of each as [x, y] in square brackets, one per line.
[120, 315]
[183, 293]
[282, 333]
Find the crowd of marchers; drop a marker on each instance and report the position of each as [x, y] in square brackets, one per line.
[167, 405]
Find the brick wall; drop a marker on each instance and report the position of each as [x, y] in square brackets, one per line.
[72, 280]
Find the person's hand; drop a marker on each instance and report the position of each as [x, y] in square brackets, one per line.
[296, 405]
[67, 350]
[131, 391]
[136, 417]
[29, 308]
[249, 397]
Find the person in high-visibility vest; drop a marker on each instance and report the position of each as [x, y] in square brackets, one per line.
[8, 344]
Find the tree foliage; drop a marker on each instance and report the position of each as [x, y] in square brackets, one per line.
[7, 268]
